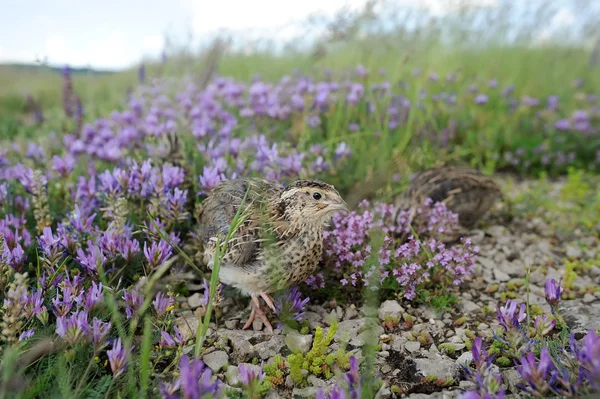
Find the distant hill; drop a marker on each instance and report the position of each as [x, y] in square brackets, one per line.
[54, 69]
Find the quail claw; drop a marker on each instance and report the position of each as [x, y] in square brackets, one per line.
[257, 311]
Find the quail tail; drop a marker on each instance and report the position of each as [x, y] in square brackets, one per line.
[257, 311]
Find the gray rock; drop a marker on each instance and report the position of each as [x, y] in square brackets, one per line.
[305, 393]
[314, 320]
[272, 394]
[412, 346]
[467, 385]
[195, 301]
[316, 381]
[511, 378]
[398, 343]
[486, 263]
[271, 347]
[298, 342]
[348, 329]
[467, 306]
[351, 312]
[232, 376]
[573, 251]
[466, 358]
[595, 271]
[390, 308]
[231, 324]
[216, 360]
[437, 365]
[187, 326]
[581, 317]
[500, 275]
[588, 298]
[497, 231]
[366, 335]
[383, 393]
[289, 382]
[240, 341]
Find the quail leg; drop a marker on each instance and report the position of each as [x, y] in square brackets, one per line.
[257, 311]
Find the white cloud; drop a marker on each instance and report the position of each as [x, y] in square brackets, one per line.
[563, 17]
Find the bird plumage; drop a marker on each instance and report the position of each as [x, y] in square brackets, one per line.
[280, 241]
[465, 191]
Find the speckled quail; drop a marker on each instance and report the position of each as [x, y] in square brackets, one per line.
[466, 192]
[280, 241]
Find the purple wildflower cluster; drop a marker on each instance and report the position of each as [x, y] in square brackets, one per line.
[195, 382]
[290, 306]
[567, 370]
[408, 265]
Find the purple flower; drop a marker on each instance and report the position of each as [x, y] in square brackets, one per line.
[157, 253]
[589, 358]
[169, 341]
[291, 305]
[342, 151]
[93, 260]
[162, 303]
[508, 316]
[26, 335]
[73, 327]
[64, 166]
[537, 375]
[481, 99]
[553, 291]
[251, 378]
[133, 300]
[195, 379]
[100, 330]
[117, 357]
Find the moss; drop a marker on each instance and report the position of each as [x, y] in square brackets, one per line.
[448, 348]
[460, 321]
[503, 361]
[317, 361]
[492, 289]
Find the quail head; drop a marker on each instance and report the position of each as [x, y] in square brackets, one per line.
[279, 243]
[466, 192]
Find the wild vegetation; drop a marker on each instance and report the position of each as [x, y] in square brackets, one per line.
[100, 177]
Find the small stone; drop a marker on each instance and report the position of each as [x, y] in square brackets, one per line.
[195, 301]
[437, 365]
[270, 347]
[398, 343]
[573, 251]
[390, 308]
[468, 306]
[348, 329]
[289, 382]
[231, 324]
[363, 337]
[580, 317]
[383, 393]
[298, 342]
[187, 326]
[216, 360]
[257, 324]
[351, 312]
[595, 271]
[500, 275]
[305, 393]
[316, 381]
[232, 375]
[465, 358]
[467, 385]
[483, 326]
[412, 346]
[512, 378]
[386, 368]
[588, 298]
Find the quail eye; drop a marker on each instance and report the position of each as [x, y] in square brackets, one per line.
[317, 196]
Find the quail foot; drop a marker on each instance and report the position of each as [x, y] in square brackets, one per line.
[280, 242]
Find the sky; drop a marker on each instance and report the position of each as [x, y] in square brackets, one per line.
[114, 34]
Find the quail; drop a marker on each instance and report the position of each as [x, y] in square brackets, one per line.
[279, 243]
[466, 192]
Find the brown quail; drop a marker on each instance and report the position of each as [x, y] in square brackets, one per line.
[280, 241]
[466, 192]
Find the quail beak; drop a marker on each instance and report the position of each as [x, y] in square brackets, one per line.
[340, 205]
